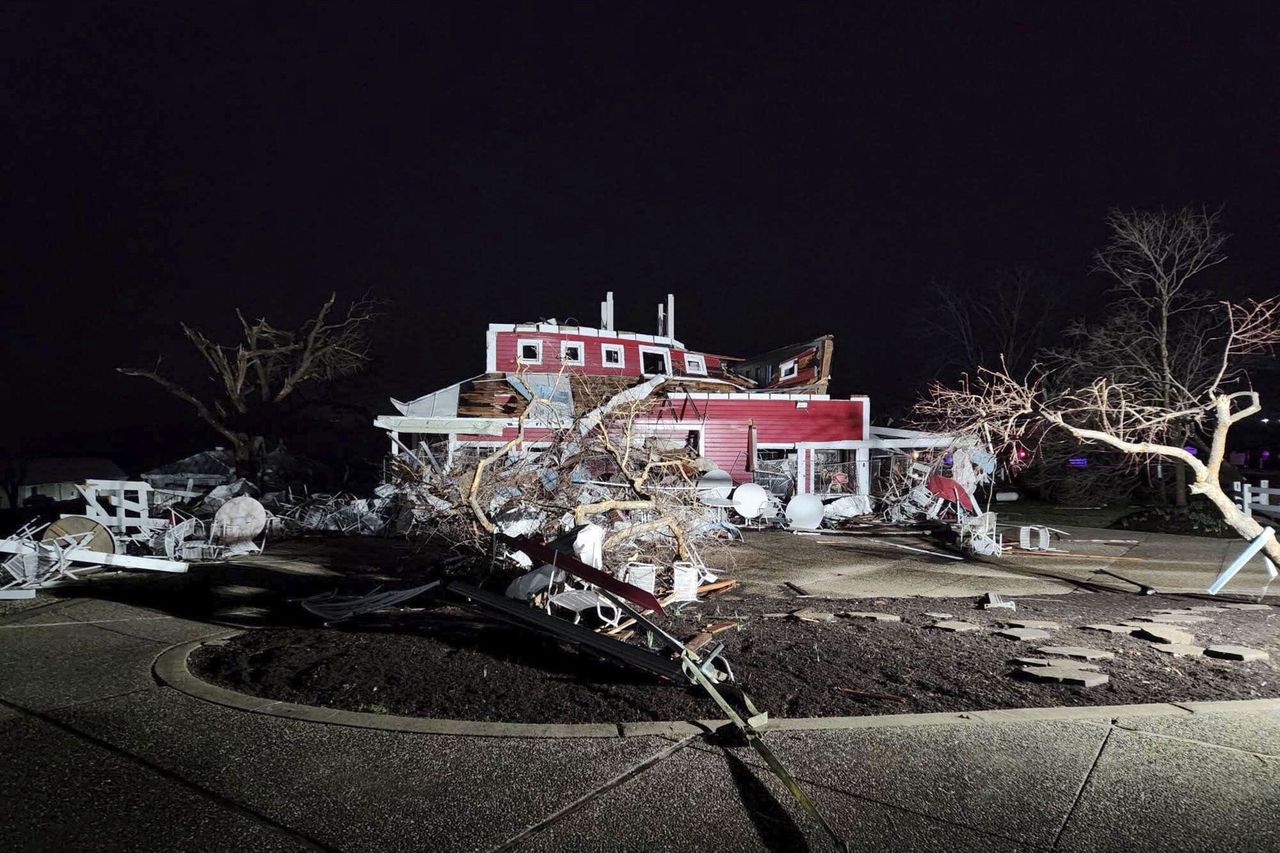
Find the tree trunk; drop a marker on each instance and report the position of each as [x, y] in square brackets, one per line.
[1245, 525]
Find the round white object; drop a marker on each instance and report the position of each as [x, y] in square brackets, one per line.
[805, 512]
[101, 538]
[239, 520]
[715, 484]
[749, 499]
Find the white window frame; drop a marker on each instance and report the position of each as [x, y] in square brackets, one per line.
[662, 351]
[622, 356]
[695, 364]
[582, 352]
[789, 369]
[521, 343]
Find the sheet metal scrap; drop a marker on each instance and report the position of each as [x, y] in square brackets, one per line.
[37, 563]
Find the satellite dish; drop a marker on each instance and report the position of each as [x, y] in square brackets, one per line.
[716, 483]
[239, 520]
[805, 512]
[102, 540]
[749, 500]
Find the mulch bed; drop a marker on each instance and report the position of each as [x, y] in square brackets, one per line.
[446, 661]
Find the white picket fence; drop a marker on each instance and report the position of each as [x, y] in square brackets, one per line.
[1257, 498]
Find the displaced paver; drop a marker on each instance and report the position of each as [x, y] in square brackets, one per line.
[940, 615]
[1066, 675]
[1207, 609]
[1178, 650]
[1247, 606]
[957, 626]
[1174, 619]
[1243, 653]
[867, 614]
[1054, 662]
[1079, 652]
[808, 614]
[1032, 623]
[1023, 634]
[1157, 633]
[1111, 629]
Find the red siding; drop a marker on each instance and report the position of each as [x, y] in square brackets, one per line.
[724, 435]
[508, 341]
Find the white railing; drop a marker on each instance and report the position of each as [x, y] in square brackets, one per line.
[1257, 498]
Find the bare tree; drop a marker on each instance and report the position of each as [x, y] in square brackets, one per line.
[1007, 412]
[255, 380]
[1157, 338]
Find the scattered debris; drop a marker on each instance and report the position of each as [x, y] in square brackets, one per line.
[994, 601]
[810, 615]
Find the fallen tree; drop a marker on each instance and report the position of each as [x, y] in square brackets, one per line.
[1014, 413]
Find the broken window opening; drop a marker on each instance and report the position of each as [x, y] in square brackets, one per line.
[695, 364]
[612, 355]
[529, 352]
[654, 361]
[790, 369]
[571, 352]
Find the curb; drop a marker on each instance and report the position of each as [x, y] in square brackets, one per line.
[170, 668]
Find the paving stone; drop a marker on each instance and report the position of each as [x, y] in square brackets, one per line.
[1032, 623]
[1184, 611]
[808, 614]
[1111, 629]
[1247, 606]
[1054, 662]
[1236, 653]
[866, 614]
[1164, 634]
[1207, 609]
[1023, 634]
[1066, 675]
[1078, 652]
[1178, 650]
[1174, 618]
[957, 626]
[941, 615]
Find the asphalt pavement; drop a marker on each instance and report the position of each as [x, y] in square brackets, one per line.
[98, 755]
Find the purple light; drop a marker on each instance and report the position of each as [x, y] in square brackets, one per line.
[1078, 462]
[1266, 454]
[1190, 450]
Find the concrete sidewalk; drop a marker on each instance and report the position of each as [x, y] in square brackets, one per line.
[834, 566]
[98, 756]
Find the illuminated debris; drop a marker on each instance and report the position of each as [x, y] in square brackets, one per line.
[1241, 653]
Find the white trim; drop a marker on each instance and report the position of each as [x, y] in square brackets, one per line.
[794, 366]
[622, 356]
[491, 350]
[662, 351]
[701, 360]
[737, 395]
[521, 343]
[582, 352]
[586, 331]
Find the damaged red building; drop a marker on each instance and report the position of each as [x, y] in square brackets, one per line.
[766, 418]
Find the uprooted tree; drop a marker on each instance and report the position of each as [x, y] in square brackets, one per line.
[257, 380]
[1008, 412]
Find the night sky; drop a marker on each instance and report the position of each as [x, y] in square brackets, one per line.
[785, 173]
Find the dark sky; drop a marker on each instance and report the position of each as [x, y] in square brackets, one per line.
[786, 173]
